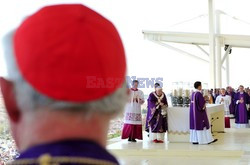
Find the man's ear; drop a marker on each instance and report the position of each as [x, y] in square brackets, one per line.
[8, 93]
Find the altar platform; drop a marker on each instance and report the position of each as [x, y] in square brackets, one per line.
[178, 121]
[232, 148]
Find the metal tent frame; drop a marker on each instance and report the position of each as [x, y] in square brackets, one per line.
[214, 39]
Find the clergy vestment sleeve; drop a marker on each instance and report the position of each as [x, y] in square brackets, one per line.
[151, 103]
[200, 101]
[218, 100]
[236, 99]
[248, 99]
[141, 95]
[151, 98]
[229, 100]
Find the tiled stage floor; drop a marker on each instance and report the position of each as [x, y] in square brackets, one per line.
[232, 148]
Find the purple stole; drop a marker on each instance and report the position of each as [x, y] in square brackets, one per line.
[194, 110]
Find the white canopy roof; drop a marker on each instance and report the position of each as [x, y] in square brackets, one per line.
[242, 41]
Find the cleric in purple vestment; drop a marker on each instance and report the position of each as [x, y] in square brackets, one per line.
[156, 122]
[66, 80]
[241, 101]
[199, 124]
[231, 93]
[149, 112]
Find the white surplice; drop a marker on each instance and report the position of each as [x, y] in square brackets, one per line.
[133, 108]
[226, 100]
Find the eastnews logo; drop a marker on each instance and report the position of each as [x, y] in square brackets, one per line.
[144, 82]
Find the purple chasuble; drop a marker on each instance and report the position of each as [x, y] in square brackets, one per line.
[232, 105]
[155, 120]
[70, 148]
[241, 108]
[198, 114]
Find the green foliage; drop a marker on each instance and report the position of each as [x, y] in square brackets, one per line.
[114, 135]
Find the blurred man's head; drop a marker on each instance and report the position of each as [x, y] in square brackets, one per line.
[197, 85]
[222, 91]
[248, 92]
[241, 88]
[229, 89]
[156, 85]
[217, 91]
[158, 91]
[135, 84]
[66, 68]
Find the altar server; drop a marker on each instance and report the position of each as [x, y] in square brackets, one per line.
[224, 99]
[157, 115]
[200, 132]
[241, 101]
[132, 128]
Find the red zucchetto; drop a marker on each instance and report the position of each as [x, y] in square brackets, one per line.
[70, 53]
